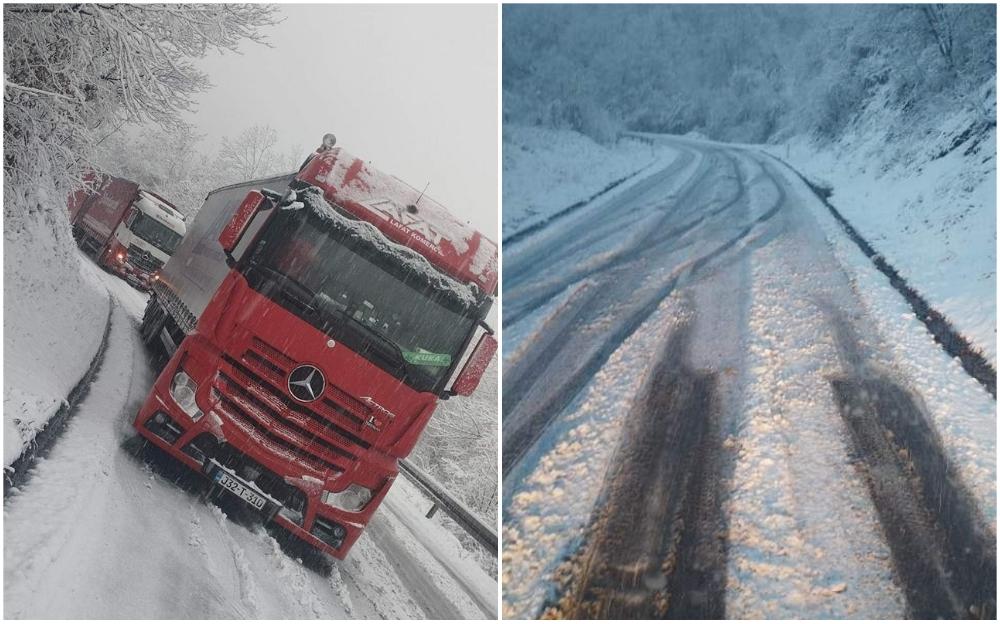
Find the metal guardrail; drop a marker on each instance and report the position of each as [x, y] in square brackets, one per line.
[641, 137]
[482, 532]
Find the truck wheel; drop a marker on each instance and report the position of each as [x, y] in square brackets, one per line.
[153, 321]
[311, 557]
[145, 328]
[135, 446]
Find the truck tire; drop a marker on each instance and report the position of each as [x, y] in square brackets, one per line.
[153, 320]
[310, 556]
[135, 445]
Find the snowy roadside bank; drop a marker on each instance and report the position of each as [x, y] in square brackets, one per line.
[956, 345]
[19, 470]
[55, 313]
[932, 215]
[959, 408]
[121, 533]
[546, 171]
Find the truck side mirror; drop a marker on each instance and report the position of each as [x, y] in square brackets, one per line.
[233, 232]
[468, 380]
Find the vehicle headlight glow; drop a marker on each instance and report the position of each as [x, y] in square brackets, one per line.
[182, 390]
[353, 498]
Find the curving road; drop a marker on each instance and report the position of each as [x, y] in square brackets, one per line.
[94, 532]
[706, 419]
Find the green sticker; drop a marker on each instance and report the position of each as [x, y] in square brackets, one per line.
[425, 358]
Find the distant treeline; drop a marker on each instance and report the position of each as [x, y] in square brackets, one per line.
[751, 73]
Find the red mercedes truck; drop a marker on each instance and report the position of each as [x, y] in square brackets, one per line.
[314, 320]
[129, 231]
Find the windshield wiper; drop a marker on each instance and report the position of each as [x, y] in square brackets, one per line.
[315, 308]
[283, 280]
[371, 331]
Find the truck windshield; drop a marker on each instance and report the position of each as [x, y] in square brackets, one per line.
[386, 311]
[155, 233]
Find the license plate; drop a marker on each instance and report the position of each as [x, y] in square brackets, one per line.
[240, 489]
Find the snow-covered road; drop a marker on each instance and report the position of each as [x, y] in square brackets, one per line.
[714, 405]
[96, 533]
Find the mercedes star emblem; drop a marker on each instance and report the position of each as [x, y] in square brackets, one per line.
[306, 383]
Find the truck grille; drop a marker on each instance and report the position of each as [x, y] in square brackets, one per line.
[143, 260]
[251, 393]
[265, 480]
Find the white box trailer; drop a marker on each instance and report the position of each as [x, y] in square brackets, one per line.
[191, 276]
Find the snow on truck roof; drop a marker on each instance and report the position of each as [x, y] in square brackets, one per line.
[159, 210]
[405, 216]
[166, 205]
[363, 230]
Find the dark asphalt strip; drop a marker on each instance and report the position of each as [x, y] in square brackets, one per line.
[520, 440]
[532, 365]
[17, 473]
[943, 555]
[944, 333]
[517, 443]
[523, 265]
[652, 549]
[653, 237]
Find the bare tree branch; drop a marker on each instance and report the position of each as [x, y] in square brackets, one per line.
[71, 71]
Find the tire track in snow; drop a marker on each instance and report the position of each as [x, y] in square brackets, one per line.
[549, 501]
[657, 235]
[531, 366]
[943, 552]
[546, 246]
[547, 221]
[652, 549]
[439, 608]
[369, 568]
[242, 574]
[945, 334]
[666, 482]
[577, 240]
[522, 429]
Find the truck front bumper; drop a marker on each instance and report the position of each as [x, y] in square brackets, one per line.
[293, 500]
[135, 277]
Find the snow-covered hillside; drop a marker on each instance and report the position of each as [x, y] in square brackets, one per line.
[546, 170]
[55, 312]
[925, 202]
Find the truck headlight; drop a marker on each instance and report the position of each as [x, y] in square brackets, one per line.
[352, 498]
[182, 390]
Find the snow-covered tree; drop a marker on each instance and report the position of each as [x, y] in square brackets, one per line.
[76, 73]
[171, 162]
[740, 72]
[252, 153]
[459, 449]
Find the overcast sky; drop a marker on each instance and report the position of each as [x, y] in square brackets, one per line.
[412, 89]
